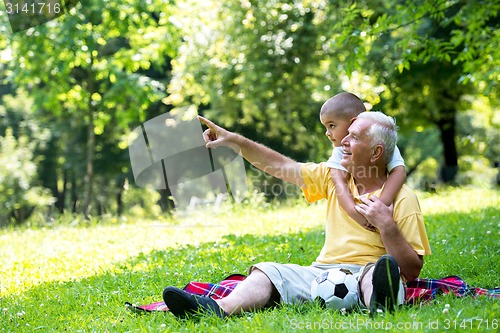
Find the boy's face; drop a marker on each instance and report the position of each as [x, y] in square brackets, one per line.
[336, 127]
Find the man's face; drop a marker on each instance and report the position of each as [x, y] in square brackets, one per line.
[336, 127]
[357, 147]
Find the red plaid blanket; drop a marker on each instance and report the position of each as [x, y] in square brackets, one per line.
[214, 290]
[427, 289]
[419, 290]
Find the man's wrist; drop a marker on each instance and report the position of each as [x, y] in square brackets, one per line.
[388, 228]
[236, 139]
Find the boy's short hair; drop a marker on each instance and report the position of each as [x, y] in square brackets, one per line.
[383, 131]
[344, 105]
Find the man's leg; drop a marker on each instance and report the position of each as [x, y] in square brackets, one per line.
[381, 286]
[255, 292]
[366, 287]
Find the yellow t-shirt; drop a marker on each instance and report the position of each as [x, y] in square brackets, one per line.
[346, 242]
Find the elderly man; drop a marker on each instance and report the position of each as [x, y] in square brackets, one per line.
[382, 260]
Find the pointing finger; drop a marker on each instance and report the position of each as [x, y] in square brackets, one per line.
[206, 122]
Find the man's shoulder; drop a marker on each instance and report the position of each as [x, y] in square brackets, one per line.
[319, 168]
[407, 190]
[407, 195]
[315, 172]
[317, 181]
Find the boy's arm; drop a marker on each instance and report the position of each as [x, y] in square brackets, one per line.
[260, 156]
[393, 184]
[346, 200]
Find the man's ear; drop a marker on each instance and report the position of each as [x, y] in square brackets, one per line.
[377, 152]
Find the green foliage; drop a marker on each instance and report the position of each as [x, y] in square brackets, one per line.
[479, 130]
[93, 73]
[265, 67]
[261, 68]
[19, 195]
[91, 56]
[141, 203]
[425, 69]
[472, 26]
[257, 67]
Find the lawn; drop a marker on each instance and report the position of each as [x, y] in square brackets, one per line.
[76, 278]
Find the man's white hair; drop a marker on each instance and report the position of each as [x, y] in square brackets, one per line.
[383, 131]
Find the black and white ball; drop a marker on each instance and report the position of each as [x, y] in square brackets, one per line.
[337, 288]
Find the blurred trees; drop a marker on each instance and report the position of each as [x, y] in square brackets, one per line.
[426, 61]
[90, 77]
[20, 192]
[429, 61]
[261, 68]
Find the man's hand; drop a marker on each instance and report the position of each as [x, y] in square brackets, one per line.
[380, 216]
[375, 211]
[258, 155]
[216, 136]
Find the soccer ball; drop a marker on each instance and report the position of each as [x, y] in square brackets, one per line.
[337, 288]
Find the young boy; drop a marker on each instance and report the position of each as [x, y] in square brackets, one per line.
[336, 115]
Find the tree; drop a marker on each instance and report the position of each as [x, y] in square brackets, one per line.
[85, 68]
[255, 67]
[427, 54]
[19, 193]
[262, 61]
[249, 66]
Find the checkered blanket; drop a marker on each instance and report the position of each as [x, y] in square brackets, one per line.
[214, 290]
[427, 289]
[418, 291]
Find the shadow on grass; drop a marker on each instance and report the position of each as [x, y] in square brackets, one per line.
[466, 245]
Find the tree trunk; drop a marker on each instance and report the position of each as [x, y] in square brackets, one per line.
[119, 197]
[89, 176]
[48, 170]
[74, 195]
[166, 202]
[61, 202]
[447, 131]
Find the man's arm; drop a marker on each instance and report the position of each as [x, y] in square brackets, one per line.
[380, 216]
[258, 155]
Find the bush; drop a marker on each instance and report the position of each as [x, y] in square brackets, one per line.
[141, 202]
[18, 195]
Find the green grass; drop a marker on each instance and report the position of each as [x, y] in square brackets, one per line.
[76, 279]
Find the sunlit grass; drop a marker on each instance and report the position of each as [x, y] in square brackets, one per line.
[65, 253]
[458, 200]
[77, 278]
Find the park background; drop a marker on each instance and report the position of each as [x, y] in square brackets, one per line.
[73, 89]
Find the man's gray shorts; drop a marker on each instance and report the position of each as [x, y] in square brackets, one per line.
[293, 282]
